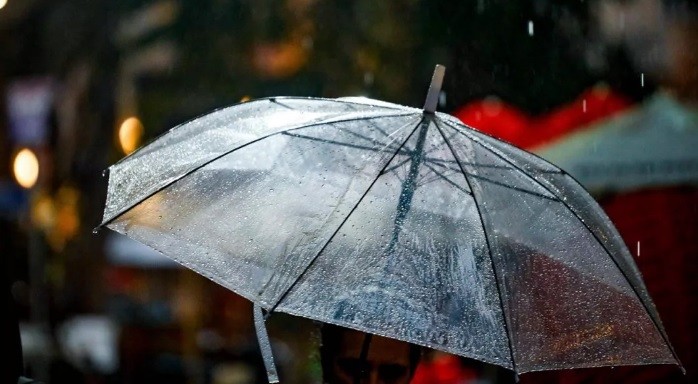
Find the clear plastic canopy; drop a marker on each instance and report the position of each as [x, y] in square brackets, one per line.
[396, 222]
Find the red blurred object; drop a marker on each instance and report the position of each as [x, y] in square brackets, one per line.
[508, 123]
[665, 223]
[444, 369]
[495, 118]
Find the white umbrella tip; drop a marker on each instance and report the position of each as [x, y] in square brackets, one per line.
[434, 89]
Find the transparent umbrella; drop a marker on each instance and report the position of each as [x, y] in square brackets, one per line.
[396, 221]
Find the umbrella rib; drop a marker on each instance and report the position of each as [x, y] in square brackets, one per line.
[426, 159]
[360, 136]
[514, 188]
[499, 183]
[426, 178]
[341, 101]
[312, 261]
[330, 141]
[489, 248]
[373, 125]
[378, 129]
[398, 165]
[447, 179]
[432, 159]
[273, 100]
[345, 101]
[338, 142]
[441, 161]
[276, 101]
[576, 215]
[403, 162]
[445, 168]
[225, 153]
[269, 99]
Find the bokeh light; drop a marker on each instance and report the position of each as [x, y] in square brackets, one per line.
[130, 134]
[26, 167]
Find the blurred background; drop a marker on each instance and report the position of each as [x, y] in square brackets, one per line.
[607, 89]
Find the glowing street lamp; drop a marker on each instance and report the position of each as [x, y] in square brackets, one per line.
[25, 167]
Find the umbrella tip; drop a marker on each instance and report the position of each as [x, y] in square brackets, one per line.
[434, 89]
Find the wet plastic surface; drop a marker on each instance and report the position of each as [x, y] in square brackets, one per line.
[381, 218]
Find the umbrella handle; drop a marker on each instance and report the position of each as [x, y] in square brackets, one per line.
[437, 80]
[362, 358]
[264, 344]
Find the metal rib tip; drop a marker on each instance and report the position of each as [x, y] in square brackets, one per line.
[434, 89]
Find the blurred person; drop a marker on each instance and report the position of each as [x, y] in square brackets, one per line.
[387, 361]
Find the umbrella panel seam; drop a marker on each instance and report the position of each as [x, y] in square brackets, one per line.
[443, 177]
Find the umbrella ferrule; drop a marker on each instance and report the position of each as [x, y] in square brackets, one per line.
[434, 89]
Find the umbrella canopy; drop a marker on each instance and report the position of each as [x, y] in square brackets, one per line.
[396, 221]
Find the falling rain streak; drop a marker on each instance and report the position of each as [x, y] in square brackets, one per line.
[584, 105]
[530, 28]
[642, 79]
[638, 249]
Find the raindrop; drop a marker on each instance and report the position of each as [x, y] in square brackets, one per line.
[530, 28]
[584, 105]
[368, 78]
[642, 79]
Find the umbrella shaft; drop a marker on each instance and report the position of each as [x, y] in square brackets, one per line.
[409, 185]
